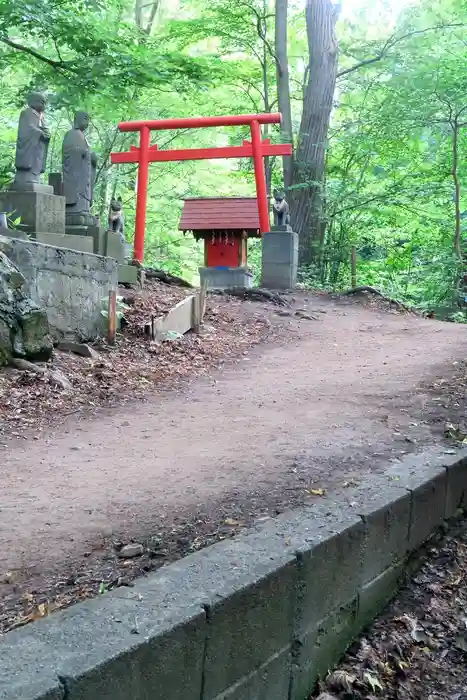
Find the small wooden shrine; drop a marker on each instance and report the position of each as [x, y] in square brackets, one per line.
[225, 224]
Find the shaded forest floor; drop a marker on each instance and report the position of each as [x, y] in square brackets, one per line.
[131, 369]
[417, 648]
[178, 445]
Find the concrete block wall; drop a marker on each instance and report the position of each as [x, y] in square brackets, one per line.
[259, 617]
[69, 284]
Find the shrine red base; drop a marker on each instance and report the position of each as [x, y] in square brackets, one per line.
[225, 251]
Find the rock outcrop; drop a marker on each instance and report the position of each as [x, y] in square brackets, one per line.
[24, 328]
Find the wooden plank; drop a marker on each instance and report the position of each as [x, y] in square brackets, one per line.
[177, 320]
[112, 324]
[181, 154]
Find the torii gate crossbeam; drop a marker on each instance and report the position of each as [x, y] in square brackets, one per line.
[145, 154]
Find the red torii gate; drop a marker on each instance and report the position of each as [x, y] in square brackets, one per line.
[145, 154]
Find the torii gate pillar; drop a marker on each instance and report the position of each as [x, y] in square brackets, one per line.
[145, 154]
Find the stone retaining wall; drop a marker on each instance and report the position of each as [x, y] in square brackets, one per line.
[69, 284]
[259, 617]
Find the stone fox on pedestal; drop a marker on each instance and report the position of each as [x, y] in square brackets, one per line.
[116, 220]
[280, 209]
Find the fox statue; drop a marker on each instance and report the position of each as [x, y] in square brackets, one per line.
[280, 209]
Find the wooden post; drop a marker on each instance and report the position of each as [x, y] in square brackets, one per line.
[142, 193]
[141, 277]
[199, 306]
[202, 299]
[112, 326]
[260, 177]
[353, 267]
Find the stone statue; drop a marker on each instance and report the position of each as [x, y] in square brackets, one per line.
[79, 172]
[280, 209]
[116, 218]
[32, 145]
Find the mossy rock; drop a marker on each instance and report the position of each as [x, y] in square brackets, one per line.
[5, 343]
[34, 325]
[24, 327]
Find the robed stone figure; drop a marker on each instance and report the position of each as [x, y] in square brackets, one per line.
[79, 170]
[32, 144]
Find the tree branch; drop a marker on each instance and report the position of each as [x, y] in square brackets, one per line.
[362, 64]
[393, 41]
[57, 65]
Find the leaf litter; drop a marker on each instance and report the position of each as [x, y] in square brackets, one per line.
[132, 368]
[418, 647]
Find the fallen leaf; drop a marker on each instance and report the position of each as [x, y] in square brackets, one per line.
[341, 680]
[372, 681]
[461, 643]
[43, 609]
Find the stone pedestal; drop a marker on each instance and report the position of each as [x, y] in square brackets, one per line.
[105, 242]
[83, 219]
[127, 274]
[95, 232]
[279, 259]
[225, 277]
[83, 244]
[39, 211]
[13, 233]
[115, 246]
[20, 184]
[55, 181]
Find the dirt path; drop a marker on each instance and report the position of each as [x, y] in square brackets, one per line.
[318, 410]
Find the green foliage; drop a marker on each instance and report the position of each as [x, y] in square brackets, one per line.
[389, 187]
[121, 307]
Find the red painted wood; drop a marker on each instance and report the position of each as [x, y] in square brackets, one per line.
[220, 214]
[142, 194]
[243, 252]
[246, 151]
[222, 254]
[260, 177]
[199, 122]
[146, 154]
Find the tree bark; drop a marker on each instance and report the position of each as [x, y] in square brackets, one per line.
[144, 18]
[457, 188]
[261, 19]
[283, 85]
[308, 215]
[263, 28]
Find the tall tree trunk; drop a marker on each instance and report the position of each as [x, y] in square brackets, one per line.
[457, 188]
[145, 20]
[262, 29]
[267, 101]
[308, 215]
[460, 289]
[283, 85]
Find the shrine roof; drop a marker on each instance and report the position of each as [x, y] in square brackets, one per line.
[220, 214]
